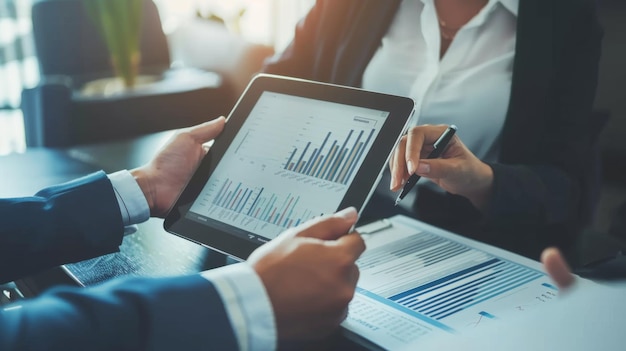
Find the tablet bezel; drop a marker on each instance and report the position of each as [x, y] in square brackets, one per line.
[234, 241]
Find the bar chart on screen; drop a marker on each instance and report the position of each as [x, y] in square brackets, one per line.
[256, 208]
[288, 164]
[334, 160]
[325, 142]
[266, 210]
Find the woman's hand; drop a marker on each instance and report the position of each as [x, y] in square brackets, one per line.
[458, 170]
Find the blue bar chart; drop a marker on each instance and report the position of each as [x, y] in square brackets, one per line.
[332, 161]
[256, 203]
[455, 276]
[456, 292]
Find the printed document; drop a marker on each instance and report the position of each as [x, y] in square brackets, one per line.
[419, 283]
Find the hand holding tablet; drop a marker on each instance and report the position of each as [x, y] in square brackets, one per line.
[291, 150]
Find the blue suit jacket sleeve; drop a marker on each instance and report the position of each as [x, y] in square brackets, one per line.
[61, 224]
[182, 313]
[79, 220]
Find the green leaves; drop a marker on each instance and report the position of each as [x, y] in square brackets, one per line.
[119, 23]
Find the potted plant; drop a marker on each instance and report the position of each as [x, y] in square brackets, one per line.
[119, 23]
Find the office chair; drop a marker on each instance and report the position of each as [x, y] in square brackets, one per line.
[71, 52]
[68, 43]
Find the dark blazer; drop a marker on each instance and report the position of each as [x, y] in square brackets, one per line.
[541, 180]
[79, 220]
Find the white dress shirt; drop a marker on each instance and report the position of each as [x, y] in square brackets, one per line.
[245, 299]
[469, 86]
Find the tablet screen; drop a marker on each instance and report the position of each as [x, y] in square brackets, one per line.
[293, 159]
[291, 150]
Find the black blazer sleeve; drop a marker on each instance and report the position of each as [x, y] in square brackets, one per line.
[543, 177]
[61, 224]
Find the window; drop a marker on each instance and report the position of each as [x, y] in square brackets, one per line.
[269, 22]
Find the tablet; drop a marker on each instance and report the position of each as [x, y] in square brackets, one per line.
[291, 150]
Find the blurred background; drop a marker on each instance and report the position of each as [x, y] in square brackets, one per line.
[187, 25]
[233, 37]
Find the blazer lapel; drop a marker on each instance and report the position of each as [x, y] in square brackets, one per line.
[357, 46]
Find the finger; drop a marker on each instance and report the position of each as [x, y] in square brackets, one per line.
[398, 165]
[418, 138]
[439, 168]
[557, 267]
[207, 131]
[353, 244]
[329, 227]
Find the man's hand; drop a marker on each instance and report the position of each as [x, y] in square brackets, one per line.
[310, 275]
[163, 179]
[557, 267]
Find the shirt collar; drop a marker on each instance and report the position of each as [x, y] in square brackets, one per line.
[511, 5]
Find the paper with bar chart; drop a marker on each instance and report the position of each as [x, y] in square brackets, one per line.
[420, 282]
[292, 160]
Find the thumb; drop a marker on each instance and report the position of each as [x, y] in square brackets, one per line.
[207, 131]
[329, 228]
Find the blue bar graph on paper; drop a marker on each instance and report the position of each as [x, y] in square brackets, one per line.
[462, 277]
[487, 314]
[550, 286]
[457, 291]
[334, 160]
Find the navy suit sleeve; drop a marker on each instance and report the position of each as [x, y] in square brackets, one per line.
[181, 313]
[61, 224]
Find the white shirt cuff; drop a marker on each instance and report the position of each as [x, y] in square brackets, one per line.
[133, 204]
[247, 305]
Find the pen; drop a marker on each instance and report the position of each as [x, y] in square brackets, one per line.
[438, 147]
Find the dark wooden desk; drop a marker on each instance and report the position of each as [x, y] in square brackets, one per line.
[26, 173]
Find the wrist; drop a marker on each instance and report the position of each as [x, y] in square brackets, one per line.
[482, 189]
[143, 180]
